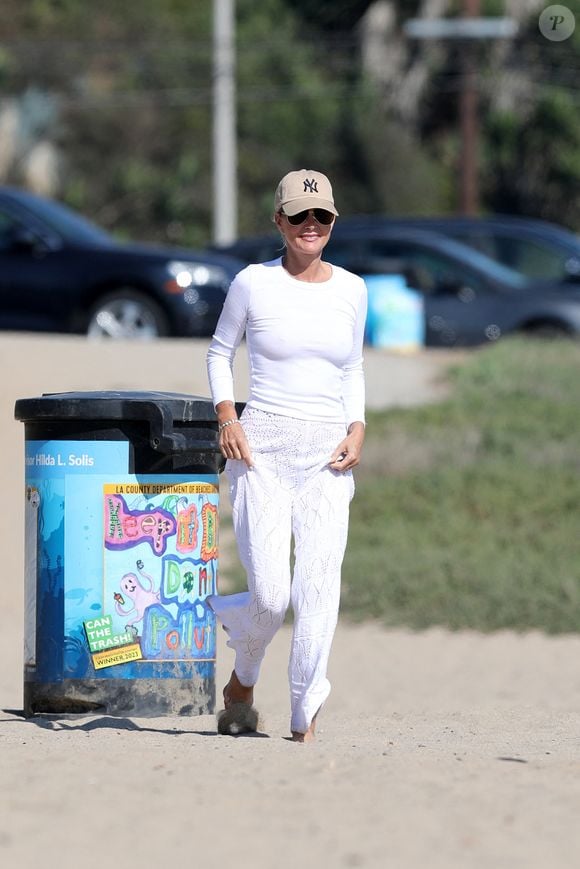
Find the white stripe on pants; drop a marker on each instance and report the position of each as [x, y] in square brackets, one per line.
[289, 491]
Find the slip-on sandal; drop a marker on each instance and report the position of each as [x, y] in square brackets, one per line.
[238, 718]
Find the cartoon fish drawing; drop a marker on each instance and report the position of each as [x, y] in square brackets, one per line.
[77, 594]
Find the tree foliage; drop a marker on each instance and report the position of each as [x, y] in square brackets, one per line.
[536, 161]
[340, 16]
[122, 93]
[532, 157]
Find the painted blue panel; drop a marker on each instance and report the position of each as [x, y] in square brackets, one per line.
[138, 549]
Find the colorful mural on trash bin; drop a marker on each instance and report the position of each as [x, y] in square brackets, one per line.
[160, 543]
[124, 565]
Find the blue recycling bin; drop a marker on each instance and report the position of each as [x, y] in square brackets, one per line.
[121, 513]
[396, 314]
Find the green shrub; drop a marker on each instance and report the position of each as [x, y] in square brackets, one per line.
[467, 511]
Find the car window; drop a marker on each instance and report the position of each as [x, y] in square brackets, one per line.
[434, 272]
[7, 228]
[480, 240]
[533, 258]
[361, 256]
[62, 220]
[261, 252]
[349, 253]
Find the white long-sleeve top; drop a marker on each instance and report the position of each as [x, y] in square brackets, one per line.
[304, 341]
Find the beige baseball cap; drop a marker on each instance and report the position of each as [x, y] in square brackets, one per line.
[302, 190]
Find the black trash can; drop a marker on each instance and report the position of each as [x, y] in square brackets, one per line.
[121, 553]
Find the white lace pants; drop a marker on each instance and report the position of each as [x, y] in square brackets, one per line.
[289, 491]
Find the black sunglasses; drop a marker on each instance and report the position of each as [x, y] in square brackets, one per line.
[321, 215]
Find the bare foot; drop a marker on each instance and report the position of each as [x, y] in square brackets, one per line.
[309, 736]
[235, 692]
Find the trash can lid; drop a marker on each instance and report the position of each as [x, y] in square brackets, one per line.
[111, 405]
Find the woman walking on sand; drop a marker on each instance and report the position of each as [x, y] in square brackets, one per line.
[290, 455]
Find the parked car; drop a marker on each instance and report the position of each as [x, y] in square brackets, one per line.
[61, 273]
[467, 298]
[535, 248]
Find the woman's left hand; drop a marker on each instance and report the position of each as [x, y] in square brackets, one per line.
[347, 453]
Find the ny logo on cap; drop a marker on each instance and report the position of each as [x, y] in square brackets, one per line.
[310, 186]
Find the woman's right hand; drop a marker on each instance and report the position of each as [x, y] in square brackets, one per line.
[234, 445]
[232, 438]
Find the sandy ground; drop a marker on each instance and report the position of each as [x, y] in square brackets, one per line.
[434, 749]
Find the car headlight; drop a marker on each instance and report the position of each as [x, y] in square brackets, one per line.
[188, 275]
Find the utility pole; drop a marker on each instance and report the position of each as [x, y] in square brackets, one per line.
[469, 120]
[225, 204]
[469, 29]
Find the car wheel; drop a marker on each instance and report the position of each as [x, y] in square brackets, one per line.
[127, 314]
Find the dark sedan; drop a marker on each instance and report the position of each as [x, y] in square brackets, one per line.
[535, 248]
[61, 273]
[467, 298]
